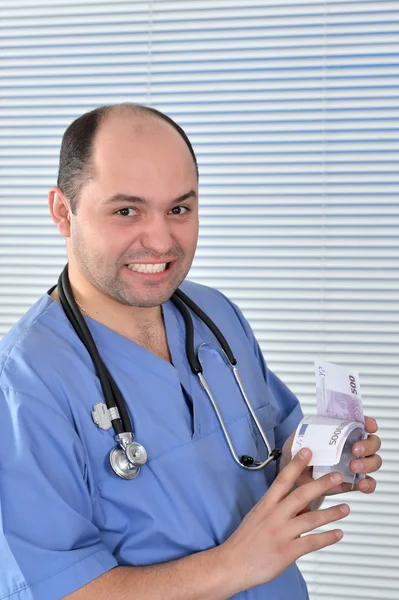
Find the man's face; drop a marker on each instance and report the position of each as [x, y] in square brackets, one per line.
[135, 230]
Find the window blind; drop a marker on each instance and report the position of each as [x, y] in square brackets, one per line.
[293, 110]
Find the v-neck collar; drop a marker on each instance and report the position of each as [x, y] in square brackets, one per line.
[176, 336]
[116, 344]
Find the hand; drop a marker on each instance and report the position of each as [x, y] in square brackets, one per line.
[269, 537]
[369, 464]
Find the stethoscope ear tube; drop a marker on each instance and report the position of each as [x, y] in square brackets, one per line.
[245, 461]
[180, 299]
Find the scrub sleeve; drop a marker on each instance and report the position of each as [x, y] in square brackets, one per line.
[49, 546]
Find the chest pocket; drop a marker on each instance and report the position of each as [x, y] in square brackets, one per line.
[231, 404]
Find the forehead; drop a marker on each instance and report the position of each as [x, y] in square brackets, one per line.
[130, 147]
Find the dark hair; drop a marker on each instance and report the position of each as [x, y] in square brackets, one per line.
[75, 166]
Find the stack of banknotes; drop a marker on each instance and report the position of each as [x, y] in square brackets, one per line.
[339, 422]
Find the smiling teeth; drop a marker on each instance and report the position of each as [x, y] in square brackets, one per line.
[149, 268]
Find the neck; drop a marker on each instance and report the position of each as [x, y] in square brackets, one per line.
[124, 319]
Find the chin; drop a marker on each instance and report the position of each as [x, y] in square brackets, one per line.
[150, 300]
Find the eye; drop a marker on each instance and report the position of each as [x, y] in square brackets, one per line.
[126, 212]
[178, 210]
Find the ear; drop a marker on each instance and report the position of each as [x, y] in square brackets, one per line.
[60, 210]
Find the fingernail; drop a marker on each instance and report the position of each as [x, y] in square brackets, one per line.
[304, 453]
[336, 477]
[365, 487]
[357, 466]
[344, 508]
[358, 451]
[339, 534]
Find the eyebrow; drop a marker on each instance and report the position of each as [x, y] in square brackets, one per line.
[121, 198]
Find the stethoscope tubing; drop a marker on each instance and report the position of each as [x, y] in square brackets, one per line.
[180, 299]
[112, 395]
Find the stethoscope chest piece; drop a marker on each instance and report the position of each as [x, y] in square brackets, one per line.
[127, 458]
[121, 465]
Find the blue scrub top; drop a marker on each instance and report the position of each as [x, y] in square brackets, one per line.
[65, 517]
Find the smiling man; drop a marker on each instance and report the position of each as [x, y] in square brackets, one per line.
[194, 524]
[133, 224]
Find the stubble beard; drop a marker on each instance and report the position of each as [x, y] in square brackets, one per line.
[108, 278]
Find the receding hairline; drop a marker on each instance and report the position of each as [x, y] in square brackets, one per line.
[138, 114]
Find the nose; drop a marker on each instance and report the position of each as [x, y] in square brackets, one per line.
[156, 235]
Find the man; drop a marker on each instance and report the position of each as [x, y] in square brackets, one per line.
[193, 524]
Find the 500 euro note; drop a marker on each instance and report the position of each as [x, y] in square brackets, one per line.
[338, 425]
[338, 396]
[331, 441]
[338, 392]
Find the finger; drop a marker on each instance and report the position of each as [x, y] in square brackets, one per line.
[342, 489]
[367, 485]
[367, 447]
[318, 518]
[301, 496]
[316, 541]
[371, 425]
[305, 477]
[287, 477]
[366, 465]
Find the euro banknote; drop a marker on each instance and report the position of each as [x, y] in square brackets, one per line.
[338, 396]
[331, 441]
[338, 425]
[338, 392]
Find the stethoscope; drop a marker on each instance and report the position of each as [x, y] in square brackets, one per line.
[129, 456]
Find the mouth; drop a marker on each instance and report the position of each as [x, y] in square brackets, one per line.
[148, 267]
[150, 272]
